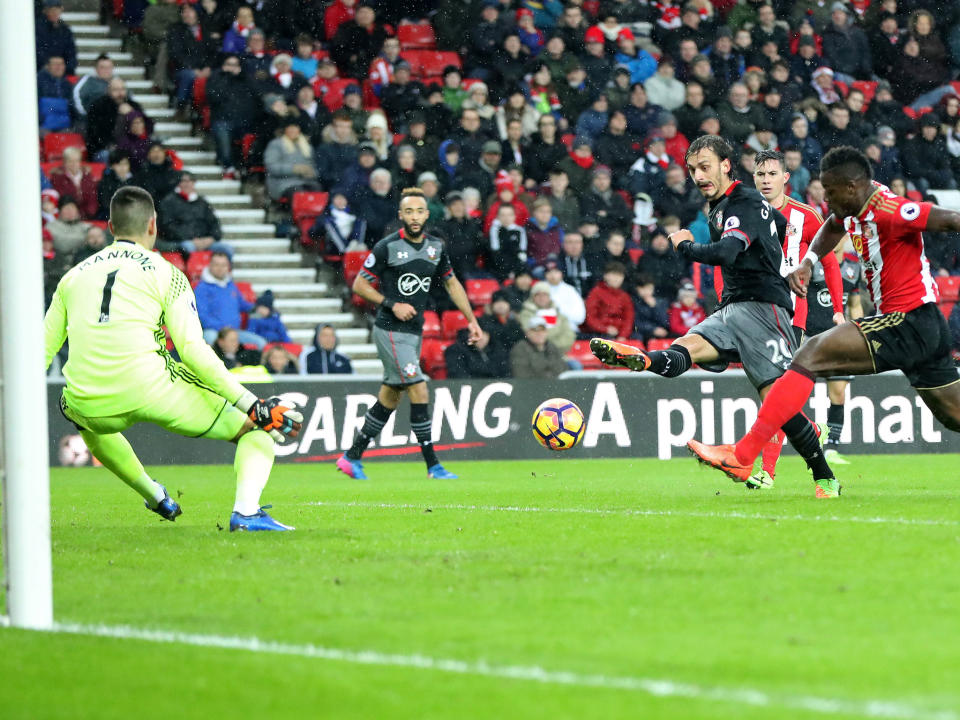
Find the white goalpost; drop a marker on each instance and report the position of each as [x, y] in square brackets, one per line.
[26, 473]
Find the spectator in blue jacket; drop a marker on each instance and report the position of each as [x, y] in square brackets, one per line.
[219, 302]
[323, 358]
[55, 37]
[54, 93]
[266, 322]
[235, 39]
[639, 62]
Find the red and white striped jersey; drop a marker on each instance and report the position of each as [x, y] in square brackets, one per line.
[887, 234]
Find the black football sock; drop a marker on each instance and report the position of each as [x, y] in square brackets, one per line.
[422, 429]
[835, 423]
[373, 423]
[803, 436]
[673, 361]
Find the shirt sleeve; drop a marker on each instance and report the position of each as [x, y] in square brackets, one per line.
[54, 326]
[910, 216]
[831, 274]
[444, 269]
[375, 263]
[183, 324]
[733, 227]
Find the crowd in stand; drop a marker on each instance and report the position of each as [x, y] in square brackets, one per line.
[548, 136]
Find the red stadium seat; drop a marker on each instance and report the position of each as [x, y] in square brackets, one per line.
[946, 308]
[175, 259]
[55, 143]
[949, 288]
[567, 139]
[659, 343]
[431, 358]
[352, 262]
[246, 291]
[431, 62]
[581, 353]
[96, 169]
[308, 204]
[333, 97]
[370, 99]
[481, 290]
[199, 92]
[197, 262]
[451, 321]
[915, 195]
[431, 325]
[416, 37]
[102, 224]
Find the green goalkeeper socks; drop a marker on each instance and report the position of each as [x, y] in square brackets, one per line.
[252, 463]
[119, 458]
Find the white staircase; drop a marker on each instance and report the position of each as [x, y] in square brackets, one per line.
[261, 259]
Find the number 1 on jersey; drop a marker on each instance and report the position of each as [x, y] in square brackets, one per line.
[107, 295]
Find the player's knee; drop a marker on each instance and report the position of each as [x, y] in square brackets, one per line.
[811, 357]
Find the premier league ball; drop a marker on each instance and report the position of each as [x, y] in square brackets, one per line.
[558, 424]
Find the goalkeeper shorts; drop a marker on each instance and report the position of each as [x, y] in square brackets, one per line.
[180, 406]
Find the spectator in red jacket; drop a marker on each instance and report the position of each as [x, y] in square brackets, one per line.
[609, 307]
[74, 180]
[686, 311]
[337, 14]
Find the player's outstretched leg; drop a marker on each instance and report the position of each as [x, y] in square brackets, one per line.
[252, 463]
[673, 361]
[350, 463]
[118, 457]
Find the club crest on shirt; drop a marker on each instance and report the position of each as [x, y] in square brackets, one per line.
[719, 219]
[431, 252]
[410, 370]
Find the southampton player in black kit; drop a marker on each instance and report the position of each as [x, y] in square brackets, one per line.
[406, 263]
[752, 324]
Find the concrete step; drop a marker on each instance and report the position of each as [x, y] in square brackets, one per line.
[346, 335]
[256, 246]
[294, 290]
[273, 277]
[98, 44]
[141, 86]
[198, 157]
[307, 305]
[172, 128]
[90, 31]
[159, 113]
[150, 100]
[240, 215]
[127, 72]
[313, 319]
[371, 367]
[181, 143]
[230, 201]
[248, 230]
[117, 57]
[210, 172]
[266, 260]
[80, 18]
[218, 187]
[361, 351]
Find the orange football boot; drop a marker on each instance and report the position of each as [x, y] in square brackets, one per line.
[618, 354]
[722, 458]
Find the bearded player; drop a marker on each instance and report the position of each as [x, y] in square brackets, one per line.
[405, 263]
[752, 324]
[909, 334]
[112, 308]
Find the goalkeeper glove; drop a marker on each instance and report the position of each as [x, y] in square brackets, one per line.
[271, 416]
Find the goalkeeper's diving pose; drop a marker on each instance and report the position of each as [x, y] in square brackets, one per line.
[112, 308]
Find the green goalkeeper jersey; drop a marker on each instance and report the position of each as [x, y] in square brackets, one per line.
[112, 307]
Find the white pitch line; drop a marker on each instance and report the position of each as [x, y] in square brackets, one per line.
[626, 512]
[889, 709]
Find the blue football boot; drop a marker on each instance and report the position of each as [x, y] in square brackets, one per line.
[439, 472]
[168, 508]
[351, 468]
[256, 522]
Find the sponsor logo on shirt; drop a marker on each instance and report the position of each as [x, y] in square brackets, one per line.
[409, 284]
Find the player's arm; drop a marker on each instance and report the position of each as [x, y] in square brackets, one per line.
[54, 327]
[183, 324]
[722, 252]
[373, 268]
[831, 274]
[458, 295]
[942, 220]
[827, 238]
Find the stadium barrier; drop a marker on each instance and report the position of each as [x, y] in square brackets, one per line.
[627, 415]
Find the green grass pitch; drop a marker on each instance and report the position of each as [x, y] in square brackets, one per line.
[567, 588]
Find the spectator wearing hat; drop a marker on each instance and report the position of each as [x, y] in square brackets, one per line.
[609, 307]
[312, 114]
[289, 161]
[425, 146]
[544, 234]
[485, 358]
[530, 36]
[484, 174]
[602, 202]
[701, 72]
[686, 311]
[845, 46]
[516, 107]
[133, 135]
[322, 358]
[535, 356]
[484, 38]
[284, 80]
[266, 322]
[639, 62]
[187, 220]
[579, 165]
[233, 109]
[338, 153]
[157, 175]
[401, 96]
[338, 227]
[540, 304]
[191, 53]
[478, 98]
[73, 179]
[642, 115]
[358, 41]
[597, 63]
[650, 319]
[55, 94]
[430, 184]
[776, 114]
[663, 88]
[499, 320]
[662, 264]
[54, 37]
[219, 302]
[592, 121]
[738, 115]
[925, 157]
[805, 62]
[357, 174]
[618, 89]
[506, 243]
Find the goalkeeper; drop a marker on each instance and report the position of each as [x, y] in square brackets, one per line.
[112, 307]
